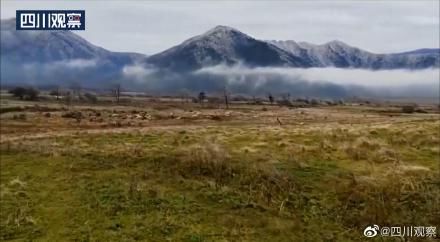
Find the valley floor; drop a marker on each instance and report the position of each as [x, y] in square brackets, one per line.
[178, 172]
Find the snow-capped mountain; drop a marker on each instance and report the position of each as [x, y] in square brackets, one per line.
[339, 54]
[44, 46]
[52, 46]
[224, 45]
[51, 57]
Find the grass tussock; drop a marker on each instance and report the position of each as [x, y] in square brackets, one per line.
[213, 162]
[371, 150]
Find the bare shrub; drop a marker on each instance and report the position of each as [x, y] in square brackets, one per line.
[77, 115]
[21, 116]
[91, 97]
[408, 109]
[285, 102]
[314, 102]
[25, 93]
[216, 117]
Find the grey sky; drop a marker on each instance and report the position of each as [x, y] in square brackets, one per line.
[152, 26]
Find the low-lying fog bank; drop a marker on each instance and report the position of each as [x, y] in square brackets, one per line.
[312, 82]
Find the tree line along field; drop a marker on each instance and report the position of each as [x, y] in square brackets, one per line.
[167, 169]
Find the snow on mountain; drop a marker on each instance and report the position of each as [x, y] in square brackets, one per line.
[224, 45]
[53, 57]
[63, 56]
[51, 46]
[339, 54]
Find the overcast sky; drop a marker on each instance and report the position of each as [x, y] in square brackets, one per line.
[152, 26]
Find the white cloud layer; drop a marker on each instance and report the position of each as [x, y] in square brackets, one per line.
[76, 63]
[361, 77]
[136, 72]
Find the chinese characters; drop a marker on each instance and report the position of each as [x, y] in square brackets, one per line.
[50, 20]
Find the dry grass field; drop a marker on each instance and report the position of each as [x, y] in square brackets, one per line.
[173, 171]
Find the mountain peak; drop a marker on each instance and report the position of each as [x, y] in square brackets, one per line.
[221, 31]
[224, 45]
[336, 43]
[222, 28]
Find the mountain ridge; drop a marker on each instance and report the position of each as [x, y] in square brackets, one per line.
[340, 54]
[219, 45]
[50, 46]
[48, 56]
[225, 45]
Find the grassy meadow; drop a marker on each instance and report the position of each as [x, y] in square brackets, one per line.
[181, 172]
